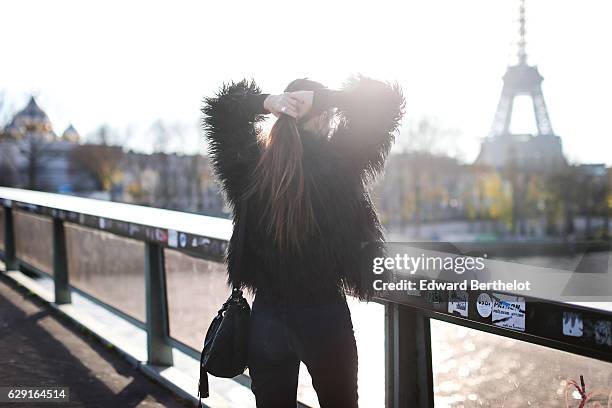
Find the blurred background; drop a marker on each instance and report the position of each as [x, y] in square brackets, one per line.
[506, 137]
[102, 100]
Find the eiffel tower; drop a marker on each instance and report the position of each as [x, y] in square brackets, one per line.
[540, 152]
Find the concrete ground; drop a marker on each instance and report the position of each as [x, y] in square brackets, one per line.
[40, 348]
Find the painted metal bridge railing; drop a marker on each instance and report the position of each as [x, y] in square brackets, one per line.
[408, 354]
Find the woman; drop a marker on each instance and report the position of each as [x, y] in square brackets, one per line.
[310, 225]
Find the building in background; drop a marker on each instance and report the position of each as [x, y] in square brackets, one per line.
[172, 181]
[34, 157]
[538, 152]
[520, 186]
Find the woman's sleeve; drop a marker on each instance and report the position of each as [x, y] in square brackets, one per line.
[369, 113]
[230, 123]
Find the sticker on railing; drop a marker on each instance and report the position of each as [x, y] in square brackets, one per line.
[434, 297]
[509, 311]
[458, 302]
[183, 240]
[172, 238]
[161, 235]
[572, 324]
[484, 305]
[603, 333]
[133, 229]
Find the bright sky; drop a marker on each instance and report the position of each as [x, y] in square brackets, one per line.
[128, 63]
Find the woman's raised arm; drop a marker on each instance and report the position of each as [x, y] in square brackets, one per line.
[230, 122]
[369, 113]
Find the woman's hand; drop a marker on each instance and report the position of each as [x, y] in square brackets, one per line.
[282, 104]
[304, 99]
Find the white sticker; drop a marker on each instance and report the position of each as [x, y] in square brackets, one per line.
[509, 311]
[572, 324]
[183, 239]
[484, 305]
[101, 223]
[172, 238]
[458, 302]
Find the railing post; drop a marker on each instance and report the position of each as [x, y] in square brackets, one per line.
[390, 310]
[159, 352]
[408, 369]
[10, 252]
[60, 263]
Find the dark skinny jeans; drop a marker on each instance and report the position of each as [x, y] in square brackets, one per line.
[318, 334]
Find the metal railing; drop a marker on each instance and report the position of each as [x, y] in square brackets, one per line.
[158, 229]
[408, 362]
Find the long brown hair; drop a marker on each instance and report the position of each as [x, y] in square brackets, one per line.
[280, 183]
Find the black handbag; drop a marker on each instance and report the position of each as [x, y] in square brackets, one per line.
[226, 343]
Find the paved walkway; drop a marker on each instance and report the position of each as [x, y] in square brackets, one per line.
[38, 348]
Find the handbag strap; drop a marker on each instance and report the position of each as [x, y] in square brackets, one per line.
[241, 239]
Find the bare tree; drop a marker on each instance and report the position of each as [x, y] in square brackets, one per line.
[426, 135]
[166, 135]
[34, 147]
[137, 166]
[423, 141]
[9, 175]
[163, 135]
[161, 139]
[101, 158]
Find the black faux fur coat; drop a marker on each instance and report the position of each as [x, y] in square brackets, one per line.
[339, 257]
